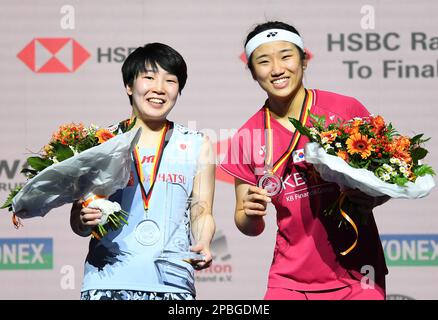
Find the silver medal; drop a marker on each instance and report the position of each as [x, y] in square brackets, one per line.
[271, 183]
[147, 232]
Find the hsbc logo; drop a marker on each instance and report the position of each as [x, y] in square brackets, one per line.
[53, 55]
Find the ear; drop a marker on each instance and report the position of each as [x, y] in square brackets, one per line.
[253, 75]
[305, 61]
[128, 90]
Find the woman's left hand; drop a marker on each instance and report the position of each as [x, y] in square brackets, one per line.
[205, 251]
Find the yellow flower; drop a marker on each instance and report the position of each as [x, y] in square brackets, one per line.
[343, 155]
[103, 135]
[359, 143]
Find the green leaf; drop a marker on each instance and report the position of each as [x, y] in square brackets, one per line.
[379, 171]
[87, 143]
[379, 161]
[12, 194]
[132, 124]
[29, 173]
[424, 140]
[416, 138]
[38, 163]
[354, 165]
[391, 132]
[423, 169]
[62, 152]
[301, 129]
[418, 154]
[320, 120]
[401, 181]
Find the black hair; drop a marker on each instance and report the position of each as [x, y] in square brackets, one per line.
[153, 54]
[272, 25]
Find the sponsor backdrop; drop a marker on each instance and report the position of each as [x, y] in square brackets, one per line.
[60, 62]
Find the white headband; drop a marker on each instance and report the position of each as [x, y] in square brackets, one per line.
[270, 36]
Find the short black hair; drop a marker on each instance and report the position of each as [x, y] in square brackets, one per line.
[272, 25]
[153, 54]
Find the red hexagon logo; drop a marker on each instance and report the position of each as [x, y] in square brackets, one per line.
[53, 55]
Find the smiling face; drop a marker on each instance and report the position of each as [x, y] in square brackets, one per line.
[278, 69]
[154, 93]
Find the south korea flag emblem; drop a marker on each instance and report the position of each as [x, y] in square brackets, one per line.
[298, 156]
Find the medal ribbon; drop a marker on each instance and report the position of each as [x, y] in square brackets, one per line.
[350, 221]
[164, 139]
[307, 103]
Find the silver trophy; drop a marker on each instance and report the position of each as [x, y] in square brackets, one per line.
[181, 210]
[174, 260]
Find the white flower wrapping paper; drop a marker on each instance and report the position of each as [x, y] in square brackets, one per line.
[334, 169]
[102, 170]
[106, 207]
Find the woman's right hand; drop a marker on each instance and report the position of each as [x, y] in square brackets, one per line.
[83, 220]
[89, 217]
[255, 201]
[251, 203]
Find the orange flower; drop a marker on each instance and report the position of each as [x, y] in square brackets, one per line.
[403, 155]
[328, 136]
[358, 143]
[343, 155]
[103, 135]
[402, 143]
[377, 124]
[400, 148]
[69, 134]
[355, 126]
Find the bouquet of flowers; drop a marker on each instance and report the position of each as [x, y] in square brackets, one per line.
[78, 163]
[368, 154]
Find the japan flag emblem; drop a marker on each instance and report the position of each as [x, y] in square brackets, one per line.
[184, 145]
